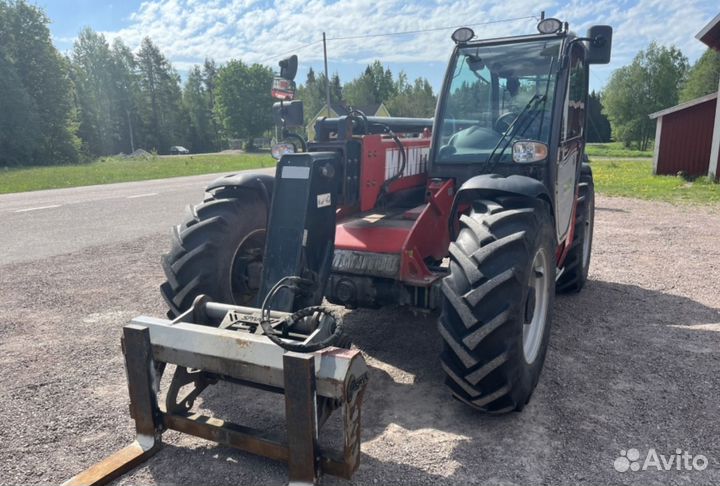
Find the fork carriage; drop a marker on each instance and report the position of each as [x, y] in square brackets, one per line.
[213, 342]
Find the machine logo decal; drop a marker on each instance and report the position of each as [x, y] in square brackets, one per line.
[417, 158]
[323, 200]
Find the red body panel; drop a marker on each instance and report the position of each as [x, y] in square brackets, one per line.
[416, 235]
[381, 160]
[360, 234]
[430, 235]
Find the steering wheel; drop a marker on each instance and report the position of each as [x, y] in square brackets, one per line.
[504, 121]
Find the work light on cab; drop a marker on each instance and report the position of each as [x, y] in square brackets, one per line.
[549, 26]
[462, 35]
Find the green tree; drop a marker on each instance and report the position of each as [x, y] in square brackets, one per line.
[312, 93]
[209, 76]
[412, 100]
[38, 78]
[126, 88]
[18, 118]
[243, 99]
[374, 85]
[649, 84]
[196, 101]
[306, 93]
[703, 77]
[161, 99]
[96, 97]
[360, 92]
[598, 129]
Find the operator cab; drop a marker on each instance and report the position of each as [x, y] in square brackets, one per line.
[493, 89]
[498, 92]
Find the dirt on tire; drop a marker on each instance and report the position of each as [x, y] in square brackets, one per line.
[633, 362]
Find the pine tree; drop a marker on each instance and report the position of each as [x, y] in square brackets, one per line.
[96, 97]
[412, 100]
[39, 75]
[703, 77]
[209, 75]
[196, 101]
[160, 99]
[598, 127]
[18, 118]
[127, 97]
[375, 85]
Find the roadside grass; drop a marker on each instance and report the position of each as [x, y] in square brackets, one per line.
[613, 177]
[634, 178]
[110, 169]
[615, 149]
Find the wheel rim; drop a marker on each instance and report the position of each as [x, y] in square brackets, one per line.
[246, 269]
[587, 232]
[537, 303]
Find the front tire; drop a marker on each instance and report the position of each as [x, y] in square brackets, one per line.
[497, 304]
[217, 251]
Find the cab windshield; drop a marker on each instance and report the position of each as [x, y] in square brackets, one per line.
[498, 94]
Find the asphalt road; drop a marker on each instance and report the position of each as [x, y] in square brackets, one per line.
[53, 222]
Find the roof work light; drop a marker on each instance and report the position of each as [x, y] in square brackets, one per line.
[462, 35]
[549, 26]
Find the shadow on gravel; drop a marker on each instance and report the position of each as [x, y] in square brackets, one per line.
[582, 413]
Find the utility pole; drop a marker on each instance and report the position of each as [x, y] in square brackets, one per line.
[327, 77]
[130, 131]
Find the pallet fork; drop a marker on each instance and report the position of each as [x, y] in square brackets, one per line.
[212, 342]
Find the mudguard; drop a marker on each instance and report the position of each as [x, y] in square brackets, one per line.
[495, 185]
[585, 168]
[231, 184]
[491, 185]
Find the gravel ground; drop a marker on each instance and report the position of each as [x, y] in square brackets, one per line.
[633, 363]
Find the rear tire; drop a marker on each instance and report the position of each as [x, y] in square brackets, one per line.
[217, 251]
[492, 298]
[577, 261]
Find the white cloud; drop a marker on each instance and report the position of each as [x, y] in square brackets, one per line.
[257, 31]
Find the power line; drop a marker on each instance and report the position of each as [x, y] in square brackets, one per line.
[431, 30]
[386, 34]
[278, 56]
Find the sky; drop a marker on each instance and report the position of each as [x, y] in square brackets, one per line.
[264, 31]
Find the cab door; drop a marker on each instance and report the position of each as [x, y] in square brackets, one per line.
[572, 140]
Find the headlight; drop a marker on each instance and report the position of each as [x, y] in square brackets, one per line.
[525, 151]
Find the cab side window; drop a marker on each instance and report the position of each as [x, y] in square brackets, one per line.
[574, 116]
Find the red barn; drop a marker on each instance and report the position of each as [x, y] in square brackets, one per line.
[687, 136]
[683, 137]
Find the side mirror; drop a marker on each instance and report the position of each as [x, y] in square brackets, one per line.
[289, 115]
[288, 67]
[282, 148]
[526, 151]
[601, 44]
[282, 89]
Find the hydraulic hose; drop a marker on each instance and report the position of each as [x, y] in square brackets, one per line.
[297, 137]
[294, 284]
